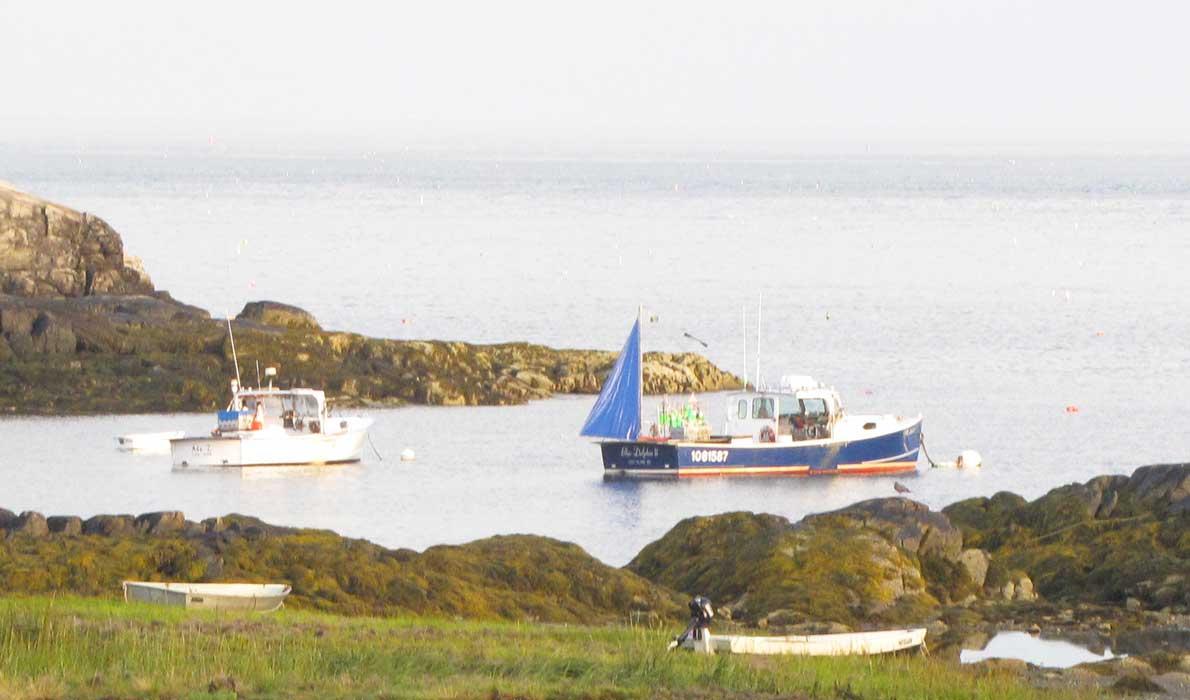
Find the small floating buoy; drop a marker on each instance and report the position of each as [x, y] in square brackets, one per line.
[407, 455]
[969, 459]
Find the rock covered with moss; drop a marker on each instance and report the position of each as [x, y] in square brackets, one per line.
[1118, 540]
[83, 331]
[879, 561]
[518, 577]
[1107, 540]
[278, 315]
[150, 353]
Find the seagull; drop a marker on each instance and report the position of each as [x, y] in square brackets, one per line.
[900, 488]
[697, 340]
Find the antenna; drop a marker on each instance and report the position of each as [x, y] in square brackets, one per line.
[234, 358]
[744, 335]
[759, 309]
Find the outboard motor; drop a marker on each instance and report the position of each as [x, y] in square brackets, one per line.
[701, 613]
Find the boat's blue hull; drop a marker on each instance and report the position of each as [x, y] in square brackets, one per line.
[888, 453]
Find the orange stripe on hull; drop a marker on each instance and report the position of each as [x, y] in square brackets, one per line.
[869, 468]
[721, 471]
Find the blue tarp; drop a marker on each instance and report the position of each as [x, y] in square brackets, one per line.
[616, 413]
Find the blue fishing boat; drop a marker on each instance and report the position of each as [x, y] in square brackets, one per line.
[798, 429]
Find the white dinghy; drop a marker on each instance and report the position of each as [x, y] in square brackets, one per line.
[846, 644]
[698, 637]
[147, 442]
[259, 597]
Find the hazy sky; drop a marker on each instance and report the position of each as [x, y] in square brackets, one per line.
[594, 73]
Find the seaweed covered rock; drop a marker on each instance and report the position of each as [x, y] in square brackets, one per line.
[65, 524]
[30, 524]
[1110, 539]
[83, 331]
[151, 353]
[517, 577]
[272, 313]
[868, 563]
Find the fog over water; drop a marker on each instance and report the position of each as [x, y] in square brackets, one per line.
[535, 75]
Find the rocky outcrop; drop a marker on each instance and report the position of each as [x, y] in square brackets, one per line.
[517, 577]
[1107, 540]
[1112, 540]
[50, 250]
[65, 524]
[151, 353]
[276, 314]
[30, 524]
[868, 563]
[82, 331]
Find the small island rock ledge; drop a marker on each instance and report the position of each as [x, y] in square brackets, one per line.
[83, 330]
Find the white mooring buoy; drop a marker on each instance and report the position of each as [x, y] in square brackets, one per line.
[407, 455]
[969, 459]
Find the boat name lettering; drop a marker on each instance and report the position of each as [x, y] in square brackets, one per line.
[712, 456]
[639, 452]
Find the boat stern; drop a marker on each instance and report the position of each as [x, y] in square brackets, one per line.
[639, 458]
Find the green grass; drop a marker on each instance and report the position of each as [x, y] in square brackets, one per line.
[89, 648]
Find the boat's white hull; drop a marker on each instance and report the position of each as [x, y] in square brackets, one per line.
[262, 448]
[147, 442]
[847, 644]
[260, 597]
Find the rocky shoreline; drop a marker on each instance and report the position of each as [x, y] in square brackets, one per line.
[82, 330]
[974, 568]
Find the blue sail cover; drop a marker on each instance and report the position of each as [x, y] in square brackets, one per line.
[616, 413]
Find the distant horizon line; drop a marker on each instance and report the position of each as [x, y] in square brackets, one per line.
[750, 150]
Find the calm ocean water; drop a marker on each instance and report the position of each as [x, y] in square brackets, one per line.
[986, 293]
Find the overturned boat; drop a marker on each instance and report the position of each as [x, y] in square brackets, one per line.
[258, 597]
[799, 429]
[271, 426]
[698, 637]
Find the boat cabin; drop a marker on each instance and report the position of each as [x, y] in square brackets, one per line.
[798, 411]
[258, 409]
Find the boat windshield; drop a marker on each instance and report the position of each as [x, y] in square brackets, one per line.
[288, 410]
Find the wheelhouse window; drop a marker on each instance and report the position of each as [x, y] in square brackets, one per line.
[762, 408]
[742, 409]
[814, 408]
[789, 417]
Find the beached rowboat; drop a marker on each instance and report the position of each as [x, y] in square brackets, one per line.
[847, 644]
[260, 597]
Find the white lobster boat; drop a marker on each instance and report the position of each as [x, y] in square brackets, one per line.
[274, 427]
[259, 597]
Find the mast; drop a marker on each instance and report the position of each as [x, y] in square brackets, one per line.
[759, 309]
[640, 361]
[744, 336]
